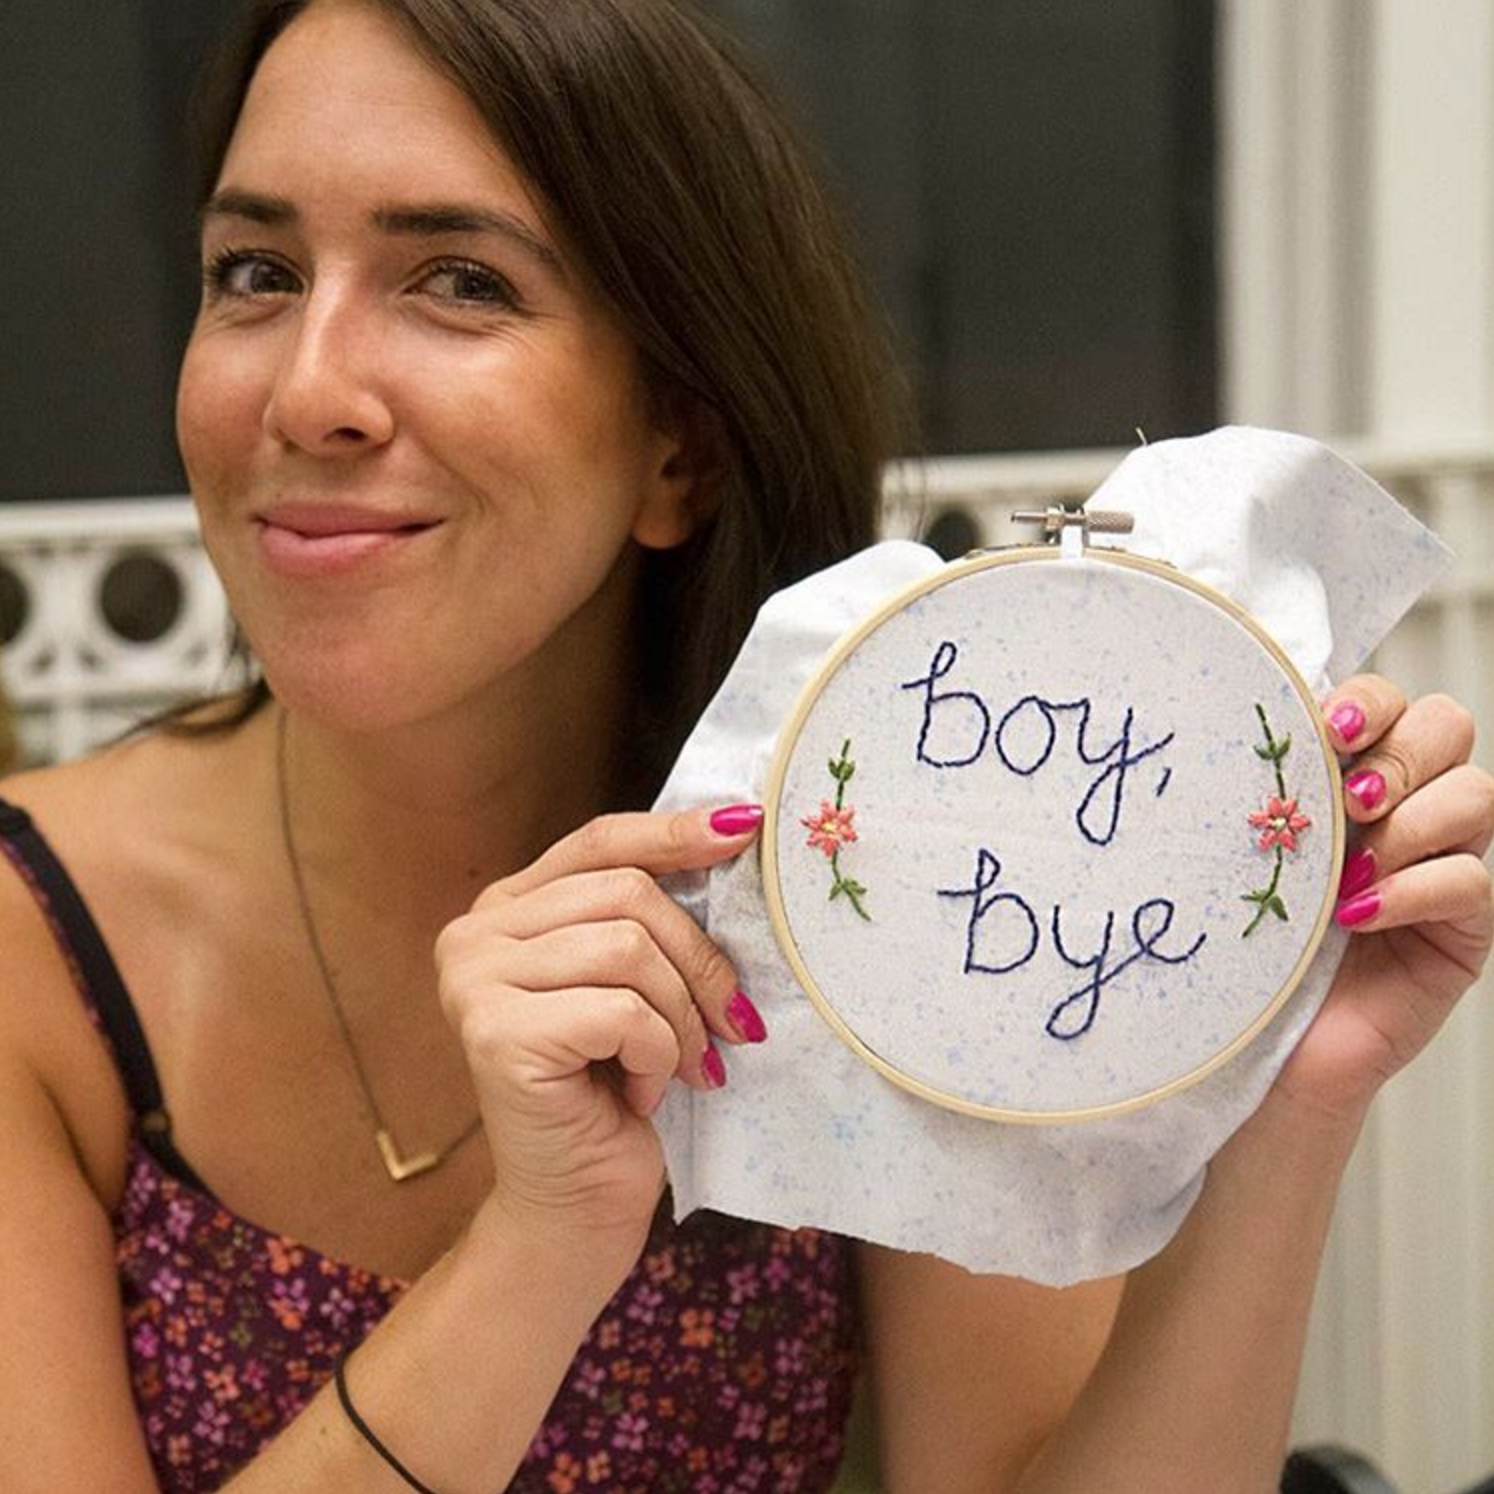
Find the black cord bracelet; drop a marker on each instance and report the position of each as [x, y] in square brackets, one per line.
[366, 1432]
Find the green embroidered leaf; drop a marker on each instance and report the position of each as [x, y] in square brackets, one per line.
[1265, 755]
[1279, 909]
[836, 890]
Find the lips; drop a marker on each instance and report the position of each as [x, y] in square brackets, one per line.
[322, 520]
[318, 539]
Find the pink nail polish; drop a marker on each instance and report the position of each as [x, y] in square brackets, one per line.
[1368, 787]
[737, 819]
[1358, 910]
[746, 1018]
[1347, 719]
[712, 1067]
[1359, 872]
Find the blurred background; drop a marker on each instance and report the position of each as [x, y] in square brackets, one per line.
[1084, 221]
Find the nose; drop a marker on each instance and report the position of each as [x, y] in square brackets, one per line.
[327, 398]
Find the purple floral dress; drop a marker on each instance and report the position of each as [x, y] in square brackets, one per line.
[725, 1362]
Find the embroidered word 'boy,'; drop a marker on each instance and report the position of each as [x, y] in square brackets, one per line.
[958, 727]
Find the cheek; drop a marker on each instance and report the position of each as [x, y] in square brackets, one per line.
[216, 413]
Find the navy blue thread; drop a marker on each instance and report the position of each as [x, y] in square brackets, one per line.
[1119, 769]
[1096, 965]
[987, 873]
[1099, 833]
[1145, 950]
[1046, 708]
[944, 660]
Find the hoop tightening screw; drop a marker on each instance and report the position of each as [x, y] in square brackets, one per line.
[1059, 517]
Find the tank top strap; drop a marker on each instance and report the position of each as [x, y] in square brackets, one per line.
[98, 980]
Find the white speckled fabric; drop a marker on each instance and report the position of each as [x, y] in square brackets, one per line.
[806, 1133]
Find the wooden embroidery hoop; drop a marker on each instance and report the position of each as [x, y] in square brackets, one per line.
[1067, 530]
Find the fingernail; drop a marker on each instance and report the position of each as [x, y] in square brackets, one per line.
[737, 819]
[712, 1067]
[1347, 719]
[1358, 909]
[746, 1018]
[1359, 872]
[1368, 787]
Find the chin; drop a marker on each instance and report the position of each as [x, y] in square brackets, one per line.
[349, 691]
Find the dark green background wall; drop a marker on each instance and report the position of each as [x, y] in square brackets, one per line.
[1031, 185]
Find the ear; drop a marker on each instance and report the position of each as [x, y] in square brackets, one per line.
[693, 460]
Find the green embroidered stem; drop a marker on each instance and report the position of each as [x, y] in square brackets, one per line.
[1279, 823]
[844, 886]
[842, 770]
[1272, 752]
[1269, 902]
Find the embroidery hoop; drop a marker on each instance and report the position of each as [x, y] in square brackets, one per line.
[1068, 530]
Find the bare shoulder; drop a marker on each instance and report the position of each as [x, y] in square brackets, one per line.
[947, 1347]
[46, 1036]
[61, 1170]
[116, 822]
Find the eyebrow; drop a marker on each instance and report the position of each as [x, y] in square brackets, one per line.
[418, 220]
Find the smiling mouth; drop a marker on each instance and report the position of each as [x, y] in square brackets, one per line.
[310, 547]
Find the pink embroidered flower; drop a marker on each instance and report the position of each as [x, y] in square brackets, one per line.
[1279, 823]
[831, 828]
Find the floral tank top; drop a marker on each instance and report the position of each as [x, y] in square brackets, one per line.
[725, 1362]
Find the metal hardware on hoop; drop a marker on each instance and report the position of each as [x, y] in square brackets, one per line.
[1069, 525]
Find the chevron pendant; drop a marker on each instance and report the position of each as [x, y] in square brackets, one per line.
[401, 1169]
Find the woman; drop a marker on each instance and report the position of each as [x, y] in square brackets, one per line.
[523, 348]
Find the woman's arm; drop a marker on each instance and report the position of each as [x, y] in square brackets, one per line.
[1195, 1386]
[456, 1380]
[578, 961]
[67, 1420]
[992, 1386]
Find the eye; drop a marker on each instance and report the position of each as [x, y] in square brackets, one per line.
[237, 272]
[464, 282]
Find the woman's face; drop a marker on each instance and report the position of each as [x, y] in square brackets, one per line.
[419, 442]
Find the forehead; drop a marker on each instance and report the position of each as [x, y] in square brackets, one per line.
[345, 99]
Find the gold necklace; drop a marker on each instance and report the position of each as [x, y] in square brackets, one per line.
[399, 1167]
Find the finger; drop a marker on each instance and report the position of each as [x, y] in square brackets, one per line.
[685, 840]
[1452, 814]
[1361, 710]
[619, 953]
[1449, 890]
[605, 1025]
[1430, 736]
[630, 893]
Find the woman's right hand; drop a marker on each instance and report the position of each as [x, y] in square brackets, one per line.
[579, 989]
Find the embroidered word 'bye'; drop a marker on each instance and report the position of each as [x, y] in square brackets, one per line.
[1015, 935]
[958, 728]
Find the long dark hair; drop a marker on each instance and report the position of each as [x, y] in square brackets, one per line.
[685, 194]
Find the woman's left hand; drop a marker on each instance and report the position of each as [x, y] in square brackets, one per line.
[1415, 895]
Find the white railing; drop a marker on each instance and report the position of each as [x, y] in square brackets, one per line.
[1401, 1358]
[74, 674]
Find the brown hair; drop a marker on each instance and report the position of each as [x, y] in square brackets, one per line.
[682, 189]
[10, 748]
